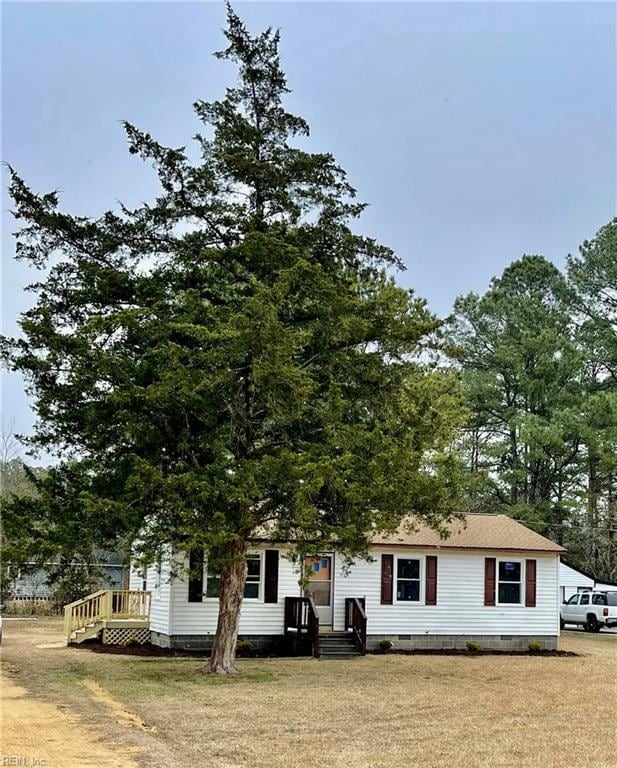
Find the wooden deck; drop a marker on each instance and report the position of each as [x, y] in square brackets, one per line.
[110, 612]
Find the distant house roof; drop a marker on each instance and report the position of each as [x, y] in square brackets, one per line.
[474, 531]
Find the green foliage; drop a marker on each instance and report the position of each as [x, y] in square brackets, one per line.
[521, 374]
[535, 647]
[15, 478]
[244, 648]
[536, 354]
[473, 646]
[232, 356]
[385, 645]
[73, 580]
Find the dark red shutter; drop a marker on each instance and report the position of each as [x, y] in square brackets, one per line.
[489, 581]
[196, 576]
[271, 580]
[431, 580]
[387, 567]
[530, 583]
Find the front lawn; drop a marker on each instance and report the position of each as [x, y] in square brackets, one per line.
[377, 711]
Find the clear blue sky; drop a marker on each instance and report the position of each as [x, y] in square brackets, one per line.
[476, 131]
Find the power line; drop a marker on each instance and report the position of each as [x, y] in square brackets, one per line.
[563, 525]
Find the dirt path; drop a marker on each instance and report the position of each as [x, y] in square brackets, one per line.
[36, 732]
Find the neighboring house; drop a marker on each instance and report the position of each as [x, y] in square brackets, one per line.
[493, 581]
[573, 580]
[30, 583]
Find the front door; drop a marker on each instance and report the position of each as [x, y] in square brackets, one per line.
[319, 585]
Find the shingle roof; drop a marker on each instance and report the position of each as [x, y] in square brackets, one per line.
[475, 531]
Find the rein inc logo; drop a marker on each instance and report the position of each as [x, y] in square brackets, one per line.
[19, 760]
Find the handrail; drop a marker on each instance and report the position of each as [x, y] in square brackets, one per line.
[88, 597]
[301, 618]
[313, 626]
[106, 604]
[355, 619]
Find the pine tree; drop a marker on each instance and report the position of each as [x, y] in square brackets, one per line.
[521, 371]
[232, 358]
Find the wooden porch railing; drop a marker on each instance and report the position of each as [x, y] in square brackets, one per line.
[301, 618]
[106, 604]
[355, 619]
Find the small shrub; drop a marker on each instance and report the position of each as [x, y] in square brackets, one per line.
[131, 641]
[473, 646]
[535, 647]
[385, 645]
[31, 608]
[244, 648]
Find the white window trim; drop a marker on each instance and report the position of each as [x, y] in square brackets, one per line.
[521, 583]
[422, 587]
[260, 597]
[158, 578]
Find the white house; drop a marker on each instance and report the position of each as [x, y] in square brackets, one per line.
[493, 581]
[573, 580]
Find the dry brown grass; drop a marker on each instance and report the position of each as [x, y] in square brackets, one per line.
[377, 712]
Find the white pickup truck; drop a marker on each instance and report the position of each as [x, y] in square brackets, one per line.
[592, 609]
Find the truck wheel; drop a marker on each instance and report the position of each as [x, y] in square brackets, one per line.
[592, 624]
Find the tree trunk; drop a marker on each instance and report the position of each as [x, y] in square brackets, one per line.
[515, 465]
[232, 581]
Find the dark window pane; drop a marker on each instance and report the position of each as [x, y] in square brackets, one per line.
[408, 569]
[585, 599]
[253, 566]
[196, 575]
[408, 590]
[509, 593]
[251, 589]
[599, 599]
[573, 600]
[611, 598]
[213, 587]
[509, 571]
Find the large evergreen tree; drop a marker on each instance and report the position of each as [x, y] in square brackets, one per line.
[522, 378]
[593, 279]
[232, 357]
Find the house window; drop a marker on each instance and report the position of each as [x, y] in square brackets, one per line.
[509, 580]
[253, 577]
[252, 588]
[408, 580]
[196, 575]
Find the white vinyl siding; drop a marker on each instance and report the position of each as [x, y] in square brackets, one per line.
[572, 581]
[460, 608]
[256, 617]
[158, 584]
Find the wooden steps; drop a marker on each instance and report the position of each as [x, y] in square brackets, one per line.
[105, 611]
[93, 629]
[338, 645]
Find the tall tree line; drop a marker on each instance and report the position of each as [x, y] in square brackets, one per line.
[538, 359]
